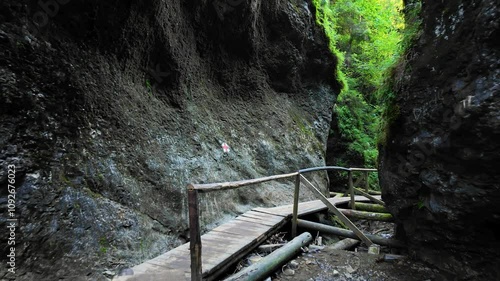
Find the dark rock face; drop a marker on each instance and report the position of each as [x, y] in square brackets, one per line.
[109, 109]
[439, 167]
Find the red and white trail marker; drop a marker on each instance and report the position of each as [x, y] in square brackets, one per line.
[225, 147]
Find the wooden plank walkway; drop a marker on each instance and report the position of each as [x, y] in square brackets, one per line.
[226, 244]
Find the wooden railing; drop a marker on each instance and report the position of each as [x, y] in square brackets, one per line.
[194, 221]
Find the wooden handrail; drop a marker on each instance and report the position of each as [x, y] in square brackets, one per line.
[194, 189]
[236, 184]
[336, 211]
[329, 168]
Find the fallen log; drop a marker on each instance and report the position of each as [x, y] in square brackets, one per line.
[336, 194]
[349, 234]
[367, 195]
[367, 215]
[360, 206]
[269, 247]
[344, 244]
[273, 261]
[374, 192]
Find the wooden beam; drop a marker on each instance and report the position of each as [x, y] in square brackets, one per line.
[370, 207]
[351, 191]
[367, 215]
[374, 192]
[195, 237]
[378, 201]
[347, 233]
[336, 211]
[367, 182]
[362, 169]
[236, 184]
[295, 205]
[336, 194]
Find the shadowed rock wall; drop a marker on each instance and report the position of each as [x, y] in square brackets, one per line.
[110, 108]
[439, 167]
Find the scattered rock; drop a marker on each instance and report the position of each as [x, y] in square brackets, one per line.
[125, 272]
[254, 259]
[289, 272]
[109, 273]
[293, 264]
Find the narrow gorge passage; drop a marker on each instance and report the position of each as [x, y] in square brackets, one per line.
[108, 109]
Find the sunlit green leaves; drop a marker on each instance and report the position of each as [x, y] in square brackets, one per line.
[367, 35]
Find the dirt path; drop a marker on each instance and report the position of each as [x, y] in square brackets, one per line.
[331, 264]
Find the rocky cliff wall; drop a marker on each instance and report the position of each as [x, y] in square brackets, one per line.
[439, 167]
[110, 108]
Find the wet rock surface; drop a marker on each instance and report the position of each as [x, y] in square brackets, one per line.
[439, 167]
[110, 109]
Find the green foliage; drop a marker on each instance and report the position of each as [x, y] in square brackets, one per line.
[369, 37]
[299, 120]
[386, 93]
[420, 204]
[337, 222]
[149, 87]
[103, 245]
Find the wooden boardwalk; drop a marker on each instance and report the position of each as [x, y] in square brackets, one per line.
[226, 244]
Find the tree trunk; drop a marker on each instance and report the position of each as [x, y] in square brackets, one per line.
[370, 207]
[374, 192]
[347, 233]
[366, 215]
[273, 261]
[345, 244]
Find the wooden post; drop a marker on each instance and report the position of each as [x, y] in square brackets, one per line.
[295, 205]
[367, 183]
[351, 190]
[194, 231]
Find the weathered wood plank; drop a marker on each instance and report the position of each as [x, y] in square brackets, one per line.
[256, 221]
[240, 231]
[237, 237]
[212, 274]
[271, 217]
[236, 224]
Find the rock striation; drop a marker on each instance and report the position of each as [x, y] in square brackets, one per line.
[109, 109]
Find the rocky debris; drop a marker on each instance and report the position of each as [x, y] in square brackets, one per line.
[439, 167]
[332, 264]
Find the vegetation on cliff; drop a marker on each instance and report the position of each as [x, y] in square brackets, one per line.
[369, 38]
